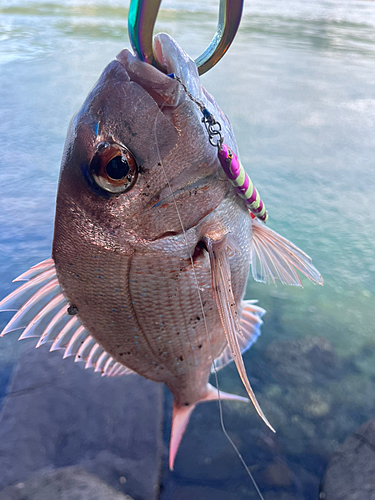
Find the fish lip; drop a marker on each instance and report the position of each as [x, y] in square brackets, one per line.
[167, 52]
[175, 60]
[164, 89]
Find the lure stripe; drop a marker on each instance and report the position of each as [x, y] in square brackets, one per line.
[242, 182]
[246, 190]
[229, 161]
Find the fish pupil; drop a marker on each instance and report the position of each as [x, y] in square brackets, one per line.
[117, 168]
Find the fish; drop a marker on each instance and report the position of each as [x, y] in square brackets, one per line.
[152, 245]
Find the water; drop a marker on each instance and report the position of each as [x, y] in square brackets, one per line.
[298, 87]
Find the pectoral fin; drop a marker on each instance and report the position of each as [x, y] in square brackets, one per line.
[274, 257]
[223, 292]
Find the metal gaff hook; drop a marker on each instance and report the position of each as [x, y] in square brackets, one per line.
[141, 22]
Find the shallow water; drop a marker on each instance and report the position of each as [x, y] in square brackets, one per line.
[298, 87]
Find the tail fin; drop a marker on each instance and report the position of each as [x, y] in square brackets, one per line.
[181, 417]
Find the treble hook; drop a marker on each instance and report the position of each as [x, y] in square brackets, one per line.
[141, 22]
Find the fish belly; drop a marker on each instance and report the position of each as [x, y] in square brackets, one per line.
[145, 309]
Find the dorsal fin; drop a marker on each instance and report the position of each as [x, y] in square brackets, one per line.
[34, 270]
[54, 325]
[66, 332]
[76, 341]
[9, 303]
[19, 320]
[93, 355]
[57, 300]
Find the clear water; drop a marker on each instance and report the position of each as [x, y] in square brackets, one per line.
[298, 87]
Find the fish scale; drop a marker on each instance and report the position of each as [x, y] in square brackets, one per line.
[148, 231]
[147, 272]
[173, 325]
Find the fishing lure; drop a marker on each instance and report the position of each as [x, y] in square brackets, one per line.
[230, 163]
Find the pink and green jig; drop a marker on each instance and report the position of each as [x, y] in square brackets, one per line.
[231, 165]
[241, 182]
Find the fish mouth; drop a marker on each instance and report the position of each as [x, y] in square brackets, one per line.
[165, 90]
[195, 187]
[175, 59]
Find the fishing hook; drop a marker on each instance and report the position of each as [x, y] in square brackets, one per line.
[141, 22]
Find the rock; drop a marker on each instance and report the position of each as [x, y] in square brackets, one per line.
[280, 496]
[350, 474]
[196, 492]
[318, 405]
[301, 361]
[278, 474]
[67, 483]
[57, 414]
[283, 464]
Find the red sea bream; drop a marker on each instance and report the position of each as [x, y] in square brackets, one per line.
[152, 246]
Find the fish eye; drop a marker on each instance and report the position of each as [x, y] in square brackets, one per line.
[114, 168]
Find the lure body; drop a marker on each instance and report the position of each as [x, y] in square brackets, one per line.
[230, 163]
[239, 179]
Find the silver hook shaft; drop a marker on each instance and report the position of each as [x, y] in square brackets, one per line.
[141, 22]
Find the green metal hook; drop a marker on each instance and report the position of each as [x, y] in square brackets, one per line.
[141, 22]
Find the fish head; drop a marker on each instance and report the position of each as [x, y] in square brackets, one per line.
[135, 149]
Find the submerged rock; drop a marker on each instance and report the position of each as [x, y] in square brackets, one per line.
[287, 464]
[57, 414]
[350, 474]
[67, 483]
[302, 360]
[278, 474]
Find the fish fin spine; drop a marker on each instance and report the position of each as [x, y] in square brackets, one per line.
[66, 332]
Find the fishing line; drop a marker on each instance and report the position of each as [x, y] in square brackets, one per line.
[160, 162]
